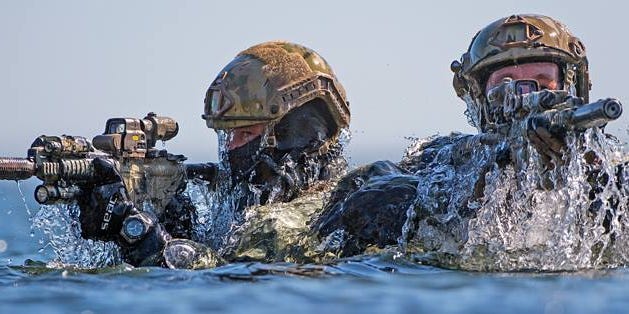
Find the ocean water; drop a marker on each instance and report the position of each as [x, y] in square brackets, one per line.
[371, 284]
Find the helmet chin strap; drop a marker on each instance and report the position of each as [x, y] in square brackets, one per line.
[269, 140]
[569, 82]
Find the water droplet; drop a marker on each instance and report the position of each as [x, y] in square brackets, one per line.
[19, 188]
[3, 246]
[516, 224]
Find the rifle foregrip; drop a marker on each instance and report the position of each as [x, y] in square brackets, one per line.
[16, 168]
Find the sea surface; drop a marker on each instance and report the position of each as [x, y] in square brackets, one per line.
[370, 284]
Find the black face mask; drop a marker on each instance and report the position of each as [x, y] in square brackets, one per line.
[249, 163]
[305, 128]
[252, 165]
[242, 160]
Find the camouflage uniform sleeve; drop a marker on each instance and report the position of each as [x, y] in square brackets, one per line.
[367, 209]
[280, 232]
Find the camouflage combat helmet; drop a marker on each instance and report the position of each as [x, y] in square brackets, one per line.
[264, 82]
[516, 40]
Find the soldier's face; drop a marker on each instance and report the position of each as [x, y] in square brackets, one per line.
[545, 73]
[238, 137]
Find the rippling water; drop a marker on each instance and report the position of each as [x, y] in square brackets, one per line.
[375, 285]
[372, 284]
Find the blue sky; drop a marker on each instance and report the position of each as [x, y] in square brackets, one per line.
[67, 66]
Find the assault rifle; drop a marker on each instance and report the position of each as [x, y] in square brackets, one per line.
[521, 99]
[64, 163]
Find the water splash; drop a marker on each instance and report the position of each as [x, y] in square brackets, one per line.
[217, 213]
[62, 239]
[578, 224]
[478, 213]
[29, 213]
[219, 205]
[19, 189]
[221, 208]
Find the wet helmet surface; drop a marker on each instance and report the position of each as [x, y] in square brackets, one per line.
[514, 40]
[265, 82]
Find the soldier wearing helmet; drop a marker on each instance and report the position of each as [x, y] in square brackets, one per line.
[521, 47]
[280, 115]
[518, 75]
[278, 110]
[515, 41]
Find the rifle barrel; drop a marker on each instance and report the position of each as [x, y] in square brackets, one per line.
[16, 168]
[597, 113]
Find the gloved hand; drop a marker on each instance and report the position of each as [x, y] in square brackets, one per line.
[544, 131]
[508, 105]
[106, 210]
[104, 204]
[547, 138]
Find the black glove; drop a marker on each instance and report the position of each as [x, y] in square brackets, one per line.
[104, 204]
[548, 139]
[106, 210]
[543, 131]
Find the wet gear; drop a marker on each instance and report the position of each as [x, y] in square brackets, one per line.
[516, 40]
[303, 131]
[265, 82]
[286, 87]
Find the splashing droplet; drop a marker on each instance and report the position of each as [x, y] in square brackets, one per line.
[510, 222]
